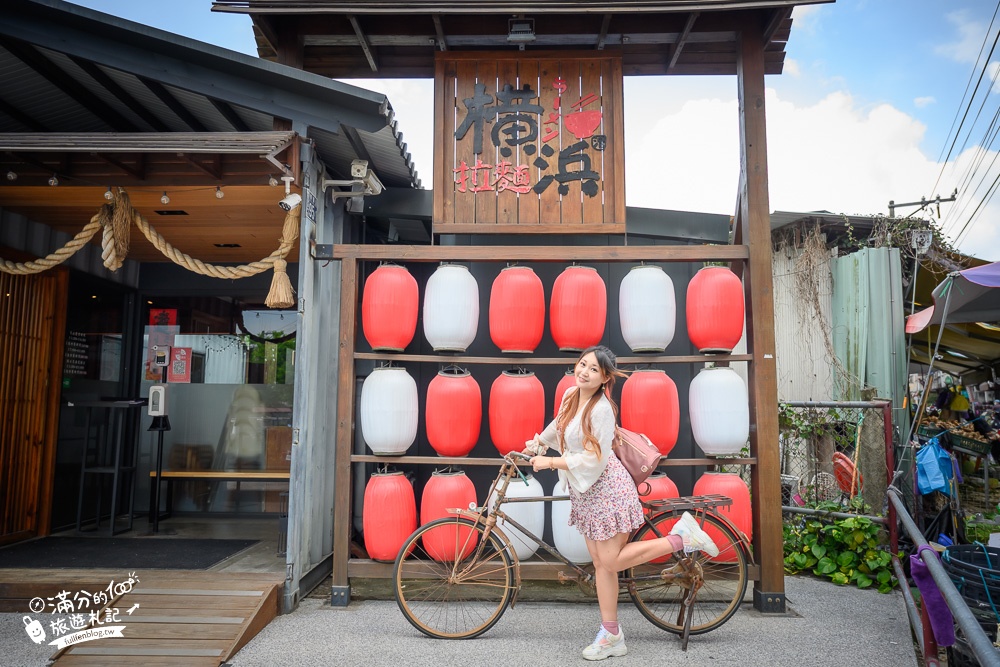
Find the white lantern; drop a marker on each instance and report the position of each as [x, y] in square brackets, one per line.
[568, 540]
[451, 308]
[531, 515]
[647, 309]
[720, 411]
[389, 411]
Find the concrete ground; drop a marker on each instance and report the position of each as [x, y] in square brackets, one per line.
[824, 625]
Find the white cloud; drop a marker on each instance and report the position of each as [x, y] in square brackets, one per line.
[967, 48]
[791, 67]
[921, 102]
[805, 18]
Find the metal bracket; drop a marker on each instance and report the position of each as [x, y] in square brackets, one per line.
[320, 250]
[769, 603]
[340, 596]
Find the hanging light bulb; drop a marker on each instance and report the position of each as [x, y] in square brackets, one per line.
[219, 194]
[11, 175]
[164, 199]
[109, 195]
[54, 180]
[272, 181]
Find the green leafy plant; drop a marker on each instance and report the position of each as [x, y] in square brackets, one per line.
[844, 551]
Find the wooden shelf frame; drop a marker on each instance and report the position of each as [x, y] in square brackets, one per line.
[749, 256]
[351, 257]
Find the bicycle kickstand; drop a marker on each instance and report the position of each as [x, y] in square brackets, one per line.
[686, 611]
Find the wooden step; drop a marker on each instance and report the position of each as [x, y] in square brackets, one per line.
[183, 617]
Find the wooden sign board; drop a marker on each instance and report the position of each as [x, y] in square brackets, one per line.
[528, 142]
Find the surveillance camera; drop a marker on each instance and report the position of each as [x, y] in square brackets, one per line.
[290, 201]
[372, 183]
[359, 168]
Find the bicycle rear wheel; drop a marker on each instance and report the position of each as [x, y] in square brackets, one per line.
[451, 580]
[660, 598]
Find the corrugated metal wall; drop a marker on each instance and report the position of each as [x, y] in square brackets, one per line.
[868, 323]
[805, 368]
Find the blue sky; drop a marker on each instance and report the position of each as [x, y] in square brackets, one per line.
[862, 114]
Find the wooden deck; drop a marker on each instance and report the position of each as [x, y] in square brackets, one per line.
[184, 617]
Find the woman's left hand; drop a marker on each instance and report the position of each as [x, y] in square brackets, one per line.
[541, 463]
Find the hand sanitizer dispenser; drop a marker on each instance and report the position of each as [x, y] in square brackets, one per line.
[157, 400]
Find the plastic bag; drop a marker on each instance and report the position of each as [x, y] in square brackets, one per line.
[934, 469]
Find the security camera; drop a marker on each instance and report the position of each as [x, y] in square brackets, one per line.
[359, 168]
[372, 183]
[290, 201]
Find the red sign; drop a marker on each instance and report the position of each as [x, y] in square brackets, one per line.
[179, 368]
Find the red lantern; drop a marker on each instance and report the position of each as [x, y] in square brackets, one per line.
[650, 406]
[517, 410]
[389, 308]
[517, 310]
[715, 310]
[731, 486]
[444, 491]
[661, 487]
[389, 516]
[454, 412]
[567, 381]
[579, 309]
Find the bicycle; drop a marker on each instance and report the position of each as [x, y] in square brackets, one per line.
[455, 577]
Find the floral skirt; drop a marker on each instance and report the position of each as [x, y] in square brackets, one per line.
[609, 507]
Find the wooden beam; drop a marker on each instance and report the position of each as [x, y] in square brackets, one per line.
[27, 120]
[181, 111]
[31, 57]
[769, 591]
[603, 35]
[548, 361]
[661, 253]
[343, 444]
[229, 113]
[214, 169]
[118, 164]
[123, 96]
[682, 40]
[439, 29]
[363, 42]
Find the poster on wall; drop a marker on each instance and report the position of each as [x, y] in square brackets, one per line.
[179, 367]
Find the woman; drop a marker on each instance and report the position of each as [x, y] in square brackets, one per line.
[605, 504]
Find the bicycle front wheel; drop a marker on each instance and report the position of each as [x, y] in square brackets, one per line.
[452, 581]
[659, 586]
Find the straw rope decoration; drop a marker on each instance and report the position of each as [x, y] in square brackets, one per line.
[115, 218]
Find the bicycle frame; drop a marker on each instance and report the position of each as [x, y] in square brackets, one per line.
[488, 516]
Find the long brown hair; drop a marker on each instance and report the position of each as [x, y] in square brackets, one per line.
[606, 361]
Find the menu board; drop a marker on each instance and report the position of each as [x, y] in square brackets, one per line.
[75, 355]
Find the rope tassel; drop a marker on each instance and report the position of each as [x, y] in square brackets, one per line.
[281, 295]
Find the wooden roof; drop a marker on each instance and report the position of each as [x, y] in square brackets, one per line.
[383, 38]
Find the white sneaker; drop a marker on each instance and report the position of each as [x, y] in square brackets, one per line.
[606, 645]
[695, 539]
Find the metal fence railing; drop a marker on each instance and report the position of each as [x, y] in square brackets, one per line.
[835, 449]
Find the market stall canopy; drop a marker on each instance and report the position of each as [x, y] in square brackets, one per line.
[964, 296]
[959, 334]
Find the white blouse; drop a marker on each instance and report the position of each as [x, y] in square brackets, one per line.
[584, 466]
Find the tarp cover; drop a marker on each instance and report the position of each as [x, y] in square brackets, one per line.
[971, 299]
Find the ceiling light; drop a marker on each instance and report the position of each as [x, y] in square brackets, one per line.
[219, 194]
[54, 180]
[164, 199]
[11, 175]
[272, 181]
[521, 31]
[109, 195]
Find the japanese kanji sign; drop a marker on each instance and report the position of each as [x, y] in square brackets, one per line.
[528, 143]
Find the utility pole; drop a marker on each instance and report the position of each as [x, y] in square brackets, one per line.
[923, 204]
